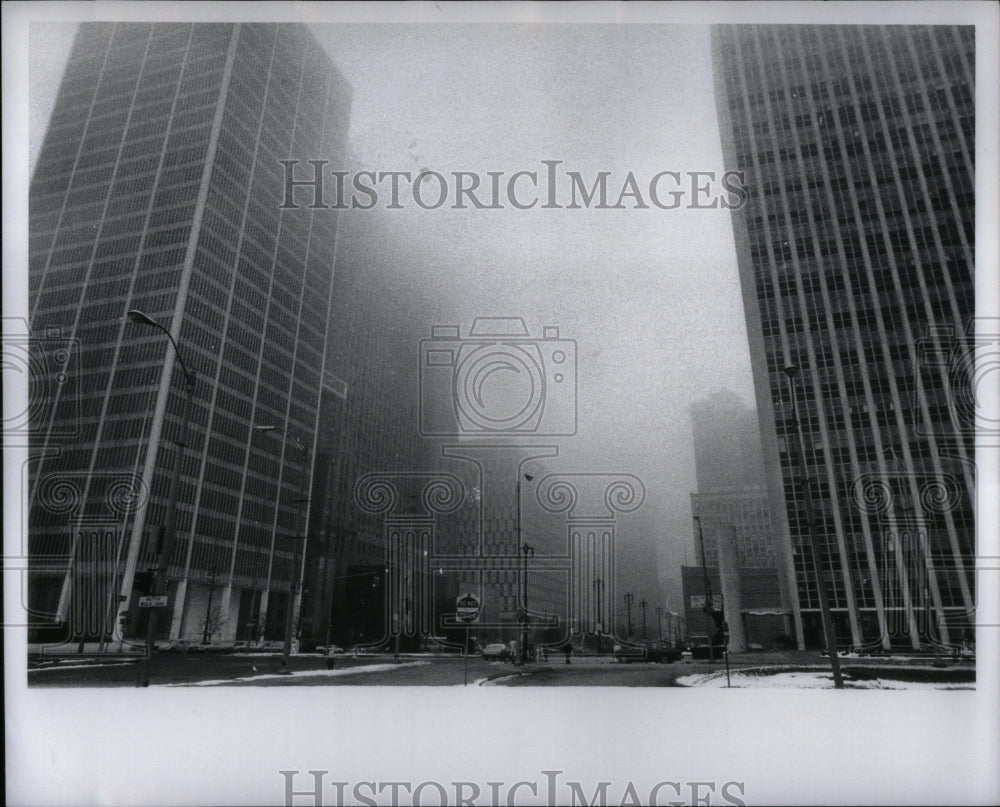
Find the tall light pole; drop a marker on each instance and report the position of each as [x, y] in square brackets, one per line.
[207, 632]
[659, 622]
[628, 615]
[165, 535]
[295, 578]
[643, 605]
[805, 482]
[525, 549]
[598, 585]
[709, 604]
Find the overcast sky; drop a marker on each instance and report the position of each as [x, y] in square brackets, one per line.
[651, 296]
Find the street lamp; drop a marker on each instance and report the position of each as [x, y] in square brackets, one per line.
[628, 615]
[643, 605]
[659, 622]
[806, 484]
[709, 607]
[598, 625]
[209, 628]
[295, 577]
[166, 534]
[525, 549]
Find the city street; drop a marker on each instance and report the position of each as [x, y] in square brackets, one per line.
[195, 669]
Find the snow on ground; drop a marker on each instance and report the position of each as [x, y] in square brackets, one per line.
[60, 665]
[820, 679]
[368, 668]
[488, 682]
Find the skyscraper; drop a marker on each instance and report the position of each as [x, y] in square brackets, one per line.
[158, 188]
[856, 262]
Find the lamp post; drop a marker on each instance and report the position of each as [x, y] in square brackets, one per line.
[165, 535]
[294, 579]
[598, 585]
[659, 622]
[207, 632]
[628, 615]
[525, 549]
[709, 604]
[806, 484]
[643, 605]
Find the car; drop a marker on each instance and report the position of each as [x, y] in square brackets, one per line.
[654, 651]
[496, 652]
[700, 648]
[662, 652]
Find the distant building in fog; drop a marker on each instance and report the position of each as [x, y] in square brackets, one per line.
[727, 449]
[856, 259]
[733, 513]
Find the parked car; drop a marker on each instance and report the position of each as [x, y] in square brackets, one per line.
[496, 652]
[211, 647]
[698, 645]
[655, 651]
[662, 652]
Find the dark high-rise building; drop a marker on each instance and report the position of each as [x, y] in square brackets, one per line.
[158, 188]
[855, 252]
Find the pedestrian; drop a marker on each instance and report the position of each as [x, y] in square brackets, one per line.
[568, 650]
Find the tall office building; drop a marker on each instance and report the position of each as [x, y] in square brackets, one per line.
[158, 188]
[855, 253]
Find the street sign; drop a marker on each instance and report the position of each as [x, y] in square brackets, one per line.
[467, 607]
[150, 601]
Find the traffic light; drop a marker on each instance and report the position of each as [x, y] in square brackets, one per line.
[720, 629]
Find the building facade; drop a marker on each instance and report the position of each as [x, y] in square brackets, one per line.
[856, 260]
[158, 189]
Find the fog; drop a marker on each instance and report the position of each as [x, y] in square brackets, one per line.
[650, 296]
